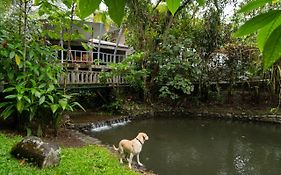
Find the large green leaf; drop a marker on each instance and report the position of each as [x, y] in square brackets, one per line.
[27, 99]
[265, 32]
[54, 108]
[19, 96]
[116, 10]
[68, 97]
[11, 96]
[9, 89]
[79, 105]
[41, 100]
[19, 106]
[272, 48]
[7, 112]
[87, 7]
[51, 98]
[257, 22]
[42, 85]
[253, 5]
[37, 94]
[51, 88]
[173, 5]
[63, 104]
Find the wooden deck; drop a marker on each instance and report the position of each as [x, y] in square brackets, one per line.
[90, 57]
[80, 77]
[84, 68]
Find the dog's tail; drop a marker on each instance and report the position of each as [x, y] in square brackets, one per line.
[116, 149]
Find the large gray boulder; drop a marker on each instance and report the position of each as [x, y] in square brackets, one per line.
[34, 150]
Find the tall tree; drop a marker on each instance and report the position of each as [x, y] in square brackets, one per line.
[152, 35]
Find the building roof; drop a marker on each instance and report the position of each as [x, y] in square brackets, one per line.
[107, 44]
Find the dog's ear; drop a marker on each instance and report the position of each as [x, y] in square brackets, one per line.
[145, 137]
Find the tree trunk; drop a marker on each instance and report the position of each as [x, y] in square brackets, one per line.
[100, 27]
[70, 30]
[117, 41]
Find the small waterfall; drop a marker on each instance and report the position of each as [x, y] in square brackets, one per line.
[100, 126]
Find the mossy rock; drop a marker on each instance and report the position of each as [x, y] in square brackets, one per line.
[34, 150]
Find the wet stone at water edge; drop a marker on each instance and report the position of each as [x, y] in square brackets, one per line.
[34, 150]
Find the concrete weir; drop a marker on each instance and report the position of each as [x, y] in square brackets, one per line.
[103, 125]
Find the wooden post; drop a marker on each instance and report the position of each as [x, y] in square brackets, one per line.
[73, 77]
[68, 77]
[61, 44]
[118, 40]
[91, 78]
[95, 77]
[99, 42]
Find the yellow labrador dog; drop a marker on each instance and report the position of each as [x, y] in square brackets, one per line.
[132, 148]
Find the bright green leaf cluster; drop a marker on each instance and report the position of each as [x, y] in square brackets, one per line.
[253, 5]
[173, 5]
[87, 7]
[268, 26]
[31, 92]
[116, 8]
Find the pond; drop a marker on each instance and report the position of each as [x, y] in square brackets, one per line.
[203, 147]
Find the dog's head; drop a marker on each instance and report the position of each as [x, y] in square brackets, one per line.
[142, 136]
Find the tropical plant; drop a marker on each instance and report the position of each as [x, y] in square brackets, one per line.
[32, 73]
[179, 67]
[128, 70]
[149, 35]
[116, 8]
[268, 26]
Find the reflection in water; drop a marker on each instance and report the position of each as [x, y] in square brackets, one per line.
[204, 147]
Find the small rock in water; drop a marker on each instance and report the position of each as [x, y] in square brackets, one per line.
[40, 153]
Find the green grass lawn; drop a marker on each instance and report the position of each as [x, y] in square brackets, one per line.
[85, 160]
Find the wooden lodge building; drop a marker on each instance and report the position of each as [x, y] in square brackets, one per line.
[84, 66]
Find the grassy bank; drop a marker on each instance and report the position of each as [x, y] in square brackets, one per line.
[85, 160]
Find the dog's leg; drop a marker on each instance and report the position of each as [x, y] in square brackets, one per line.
[130, 160]
[121, 152]
[138, 160]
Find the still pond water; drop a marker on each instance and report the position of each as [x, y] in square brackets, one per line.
[204, 147]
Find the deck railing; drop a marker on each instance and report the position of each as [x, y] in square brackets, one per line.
[79, 77]
[98, 58]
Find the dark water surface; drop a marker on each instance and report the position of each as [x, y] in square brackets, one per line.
[204, 147]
